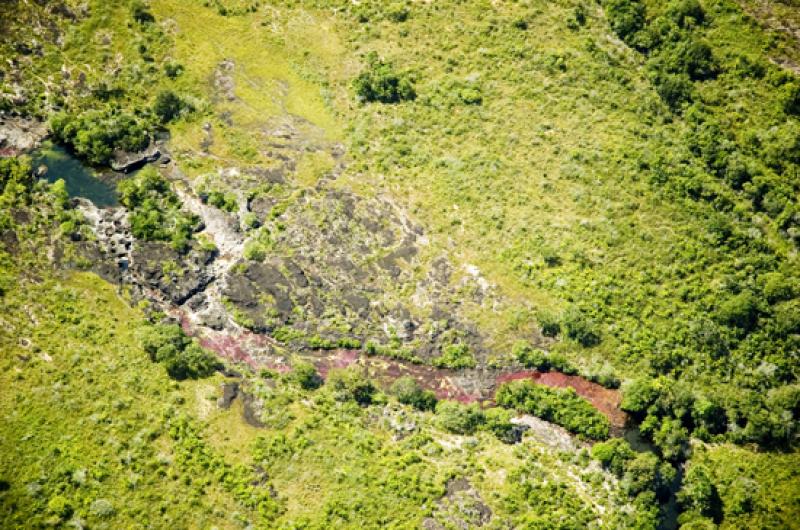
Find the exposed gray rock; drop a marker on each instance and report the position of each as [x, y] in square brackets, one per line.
[126, 162]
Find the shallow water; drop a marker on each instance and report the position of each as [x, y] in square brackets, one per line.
[81, 180]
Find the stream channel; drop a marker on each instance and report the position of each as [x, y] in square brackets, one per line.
[99, 186]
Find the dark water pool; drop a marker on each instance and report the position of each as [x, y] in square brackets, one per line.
[81, 180]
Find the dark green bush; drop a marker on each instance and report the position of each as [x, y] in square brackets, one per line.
[531, 357]
[673, 89]
[498, 422]
[791, 98]
[140, 11]
[691, 57]
[154, 210]
[627, 17]
[455, 356]
[580, 328]
[168, 106]
[739, 311]
[686, 13]
[777, 287]
[351, 384]
[698, 495]
[457, 418]
[95, 134]
[638, 395]
[224, 201]
[305, 375]
[379, 82]
[409, 392]
[561, 406]
[549, 322]
[671, 438]
[613, 454]
[182, 357]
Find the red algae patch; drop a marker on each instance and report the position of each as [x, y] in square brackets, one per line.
[465, 386]
[604, 399]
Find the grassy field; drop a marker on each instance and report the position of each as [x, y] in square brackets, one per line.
[541, 151]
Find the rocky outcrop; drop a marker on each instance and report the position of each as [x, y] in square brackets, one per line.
[125, 162]
[20, 135]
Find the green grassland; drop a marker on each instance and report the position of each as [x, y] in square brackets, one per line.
[624, 172]
[96, 434]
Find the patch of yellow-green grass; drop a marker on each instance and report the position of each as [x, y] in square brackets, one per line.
[246, 67]
[225, 429]
[84, 414]
[312, 167]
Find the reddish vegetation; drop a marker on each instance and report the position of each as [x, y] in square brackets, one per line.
[473, 385]
[603, 399]
[466, 386]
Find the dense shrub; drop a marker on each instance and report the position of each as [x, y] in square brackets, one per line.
[351, 384]
[531, 357]
[168, 106]
[154, 210]
[95, 134]
[498, 422]
[381, 83]
[674, 89]
[699, 496]
[457, 418]
[549, 323]
[627, 17]
[409, 392]
[777, 287]
[580, 328]
[690, 57]
[613, 454]
[224, 201]
[739, 311]
[182, 357]
[561, 406]
[305, 375]
[455, 356]
[140, 12]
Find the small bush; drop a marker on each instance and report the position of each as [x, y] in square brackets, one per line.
[549, 322]
[182, 357]
[59, 506]
[739, 311]
[498, 422]
[95, 134]
[140, 12]
[349, 343]
[102, 508]
[456, 418]
[613, 454]
[686, 13]
[455, 356]
[168, 106]
[531, 357]
[409, 392]
[319, 343]
[560, 406]
[580, 328]
[626, 17]
[673, 89]
[305, 375]
[154, 209]
[380, 83]
[351, 384]
[254, 251]
[777, 287]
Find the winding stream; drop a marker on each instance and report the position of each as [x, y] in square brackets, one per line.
[467, 386]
